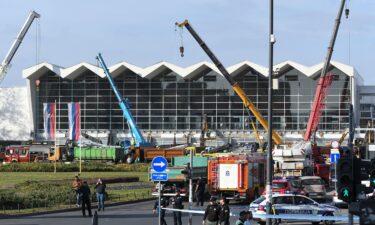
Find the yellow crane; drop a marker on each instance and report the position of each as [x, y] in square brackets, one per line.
[236, 87]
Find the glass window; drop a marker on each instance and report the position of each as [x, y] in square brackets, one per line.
[299, 200]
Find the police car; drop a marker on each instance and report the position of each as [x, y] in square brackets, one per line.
[297, 204]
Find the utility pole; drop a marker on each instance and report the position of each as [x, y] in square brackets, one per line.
[269, 153]
[191, 187]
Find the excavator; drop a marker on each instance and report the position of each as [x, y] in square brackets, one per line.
[251, 109]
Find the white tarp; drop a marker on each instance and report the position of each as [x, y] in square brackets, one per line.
[15, 115]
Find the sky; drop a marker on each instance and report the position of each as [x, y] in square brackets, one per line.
[143, 33]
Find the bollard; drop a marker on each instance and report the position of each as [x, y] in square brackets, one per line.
[95, 219]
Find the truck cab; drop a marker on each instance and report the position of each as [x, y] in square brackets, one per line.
[20, 153]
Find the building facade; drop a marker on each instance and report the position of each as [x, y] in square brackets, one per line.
[169, 102]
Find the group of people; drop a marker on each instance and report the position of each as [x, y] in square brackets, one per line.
[215, 214]
[83, 194]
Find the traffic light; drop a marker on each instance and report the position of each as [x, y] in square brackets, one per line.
[372, 173]
[187, 171]
[345, 187]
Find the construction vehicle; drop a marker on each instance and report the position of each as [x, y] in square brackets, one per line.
[236, 87]
[22, 154]
[237, 177]
[5, 65]
[141, 149]
[306, 156]
[60, 153]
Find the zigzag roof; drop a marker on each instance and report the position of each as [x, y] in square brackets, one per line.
[190, 72]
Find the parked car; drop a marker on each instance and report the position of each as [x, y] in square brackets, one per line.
[254, 204]
[296, 204]
[311, 186]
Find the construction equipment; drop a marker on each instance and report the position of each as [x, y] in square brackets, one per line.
[5, 65]
[141, 149]
[325, 80]
[236, 87]
[306, 157]
[139, 139]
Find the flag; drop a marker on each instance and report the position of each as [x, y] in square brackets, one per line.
[49, 113]
[74, 112]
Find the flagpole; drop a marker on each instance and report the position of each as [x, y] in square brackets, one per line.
[80, 144]
[55, 139]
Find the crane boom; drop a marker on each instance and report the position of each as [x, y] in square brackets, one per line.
[4, 67]
[140, 140]
[324, 81]
[236, 87]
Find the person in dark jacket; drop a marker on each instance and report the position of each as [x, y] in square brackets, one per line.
[211, 215]
[176, 202]
[243, 217]
[199, 191]
[164, 203]
[100, 190]
[224, 213]
[85, 195]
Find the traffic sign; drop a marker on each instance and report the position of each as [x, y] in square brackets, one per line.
[159, 176]
[335, 158]
[335, 155]
[159, 164]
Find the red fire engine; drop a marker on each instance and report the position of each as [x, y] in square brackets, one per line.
[239, 177]
[21, 153]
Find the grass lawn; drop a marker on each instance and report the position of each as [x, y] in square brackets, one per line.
[9, 179]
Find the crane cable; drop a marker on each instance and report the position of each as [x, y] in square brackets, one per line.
[37, 41]
[180, 32]
[349, 41]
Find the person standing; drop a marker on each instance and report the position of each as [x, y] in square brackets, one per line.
[86, 193]
[224, 213]
[211, 215]
[243, 217]
[100, 190]
[249, 217]
[77, 183]
[176, 202]
[199, 191]
[163, 203]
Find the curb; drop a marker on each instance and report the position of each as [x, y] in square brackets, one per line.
[10, 216]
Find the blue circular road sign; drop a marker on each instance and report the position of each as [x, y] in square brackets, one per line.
[159, 164]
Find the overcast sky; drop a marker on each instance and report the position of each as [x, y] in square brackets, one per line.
[143, 33]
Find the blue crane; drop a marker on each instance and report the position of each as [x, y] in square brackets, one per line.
[136, 133]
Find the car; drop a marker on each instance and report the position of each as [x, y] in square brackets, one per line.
[311, 186]
[254, 204]
[296, 204]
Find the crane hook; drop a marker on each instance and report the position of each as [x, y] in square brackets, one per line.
[347, 13]
[182, 51]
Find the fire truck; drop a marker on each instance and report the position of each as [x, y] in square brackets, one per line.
[237, 177]
[21, 154]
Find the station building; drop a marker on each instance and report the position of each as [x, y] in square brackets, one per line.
[169, 102]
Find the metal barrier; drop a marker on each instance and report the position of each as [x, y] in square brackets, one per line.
[284, 216]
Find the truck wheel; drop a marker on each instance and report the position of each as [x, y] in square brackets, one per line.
[315, 223]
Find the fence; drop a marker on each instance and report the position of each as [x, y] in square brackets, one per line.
[16, 205]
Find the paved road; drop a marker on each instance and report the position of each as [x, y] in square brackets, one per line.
[137, 213]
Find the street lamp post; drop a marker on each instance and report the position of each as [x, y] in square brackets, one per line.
[269, 153]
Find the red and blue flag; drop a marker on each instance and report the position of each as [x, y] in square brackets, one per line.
[49, 112]
[74, 112]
